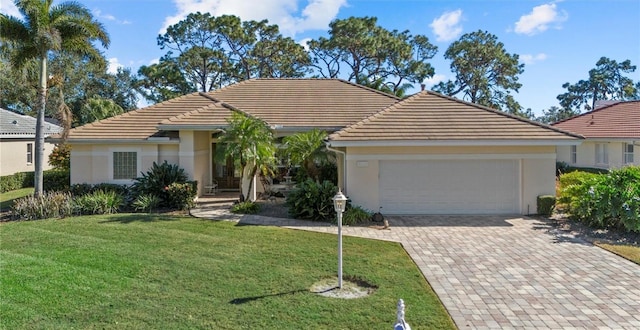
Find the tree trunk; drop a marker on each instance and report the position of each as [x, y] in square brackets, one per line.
[39, 143]
[246, 182]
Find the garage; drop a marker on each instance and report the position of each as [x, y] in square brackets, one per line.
[443, 186]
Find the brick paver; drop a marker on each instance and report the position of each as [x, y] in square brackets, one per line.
[506, 272]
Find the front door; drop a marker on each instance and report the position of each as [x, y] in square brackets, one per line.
[225, 173]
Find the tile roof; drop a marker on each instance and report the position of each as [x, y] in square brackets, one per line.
[618, 120]
[287, 103]
[15, 125]
[432, 116]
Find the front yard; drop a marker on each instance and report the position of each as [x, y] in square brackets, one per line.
[157, 271]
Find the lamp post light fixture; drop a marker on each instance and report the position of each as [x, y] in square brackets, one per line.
[339, 203]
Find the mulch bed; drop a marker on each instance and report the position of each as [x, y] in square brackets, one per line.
[579, 230]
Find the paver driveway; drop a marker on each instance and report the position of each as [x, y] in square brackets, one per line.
[509, 272]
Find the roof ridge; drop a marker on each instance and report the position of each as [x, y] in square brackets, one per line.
[364, 87]
[590, 112]
[230, 106]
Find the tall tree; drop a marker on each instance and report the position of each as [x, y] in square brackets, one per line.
[554, 114]
[162, 81]
[606, 82]
[484, 72]
[97, 109]
[365, 53]
[208, 52]
[46, 28]
[250, 143]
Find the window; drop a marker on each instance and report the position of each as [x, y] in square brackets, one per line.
[574, 154]
[29, 153]
[602, 154]
[125, 165]
[628, 153]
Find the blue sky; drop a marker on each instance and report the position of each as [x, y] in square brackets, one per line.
[559, 41]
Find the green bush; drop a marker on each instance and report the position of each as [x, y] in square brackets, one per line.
[356, 215]
[545, 205]
[60, 156]
[182, 195]
[48, 205]
[246, 207]
[98, 202]
[16, 181]
[607, 200]
[570, 182]
[146, 203]
[157, 180]
[56, 180]
[312, 201]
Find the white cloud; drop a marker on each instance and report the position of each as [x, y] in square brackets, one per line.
[114, 65]
[540, 18]
[305, 43]
[7, 7]
[98, 14]
[317, 14]
[437, 78]
[529, 59]
[447, 26]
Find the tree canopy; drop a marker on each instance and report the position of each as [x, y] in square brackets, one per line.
[361, 51]
[45, 28]
[606, 82]
[205, 52]
[485, 73]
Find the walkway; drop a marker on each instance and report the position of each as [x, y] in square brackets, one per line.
[505, 272]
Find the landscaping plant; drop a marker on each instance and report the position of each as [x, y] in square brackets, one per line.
[312, 201]
[98, 202]
[356, 215]
[246, 207]
[48, 205]
[157, 180]
[146, 203]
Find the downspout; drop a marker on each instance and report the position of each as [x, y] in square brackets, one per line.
[344, 165]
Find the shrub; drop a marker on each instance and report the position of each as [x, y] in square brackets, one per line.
[47, 205]
[60, 156]
[98, 202]
[356, 215]
[568, 183]
[245, 208]
[146, 203]
[16, 181]
[157, 179]
[56, 180]
[181, 195]
[312, 201]
[545, 205]
[607, 200]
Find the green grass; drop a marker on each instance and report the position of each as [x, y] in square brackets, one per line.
[630, 252]
[6, 198]
[169, 272]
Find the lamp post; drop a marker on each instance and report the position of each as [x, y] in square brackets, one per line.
[339, 203]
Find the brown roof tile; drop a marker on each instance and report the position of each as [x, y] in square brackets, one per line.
[289, 103]
[618, 120]
[432, 116]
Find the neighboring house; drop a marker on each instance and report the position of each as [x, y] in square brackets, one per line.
[423, 155]
[17, 142]
[612, 137]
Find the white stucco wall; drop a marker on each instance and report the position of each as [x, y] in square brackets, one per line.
[93, 164]
[537, 169]
[586, 154]
[13, 156]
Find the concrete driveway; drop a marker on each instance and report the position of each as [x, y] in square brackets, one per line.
[509, 272]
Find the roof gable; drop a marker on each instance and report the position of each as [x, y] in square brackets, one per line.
[429, 116]
[618, 120]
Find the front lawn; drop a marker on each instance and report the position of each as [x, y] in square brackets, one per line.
[7, 198]
[165, 272]
[630, 252]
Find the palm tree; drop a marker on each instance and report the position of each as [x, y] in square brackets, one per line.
[249, 142]
[308, 150]
[43, 29]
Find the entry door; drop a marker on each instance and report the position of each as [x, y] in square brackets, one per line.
[226, 174]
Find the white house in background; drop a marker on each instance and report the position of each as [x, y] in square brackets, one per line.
[612, 137]
[427, 154]
[17, 142]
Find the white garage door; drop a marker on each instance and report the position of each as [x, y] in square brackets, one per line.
[449, 186]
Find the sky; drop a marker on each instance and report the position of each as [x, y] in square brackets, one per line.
[558, 41]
